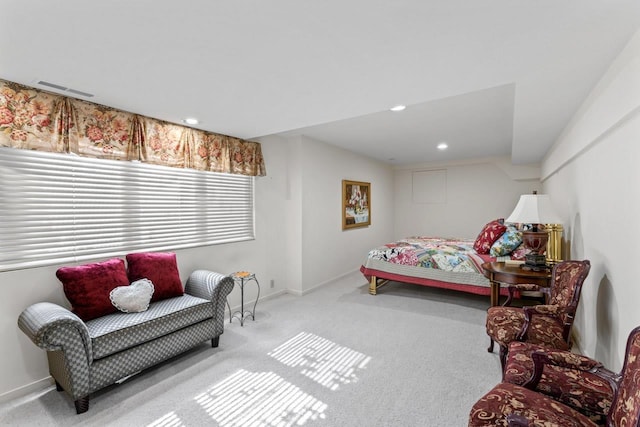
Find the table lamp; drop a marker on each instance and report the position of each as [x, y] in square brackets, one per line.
[535, 209]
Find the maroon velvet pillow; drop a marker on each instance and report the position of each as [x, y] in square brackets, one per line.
[489, 234]
[159, 267]
[87, 287]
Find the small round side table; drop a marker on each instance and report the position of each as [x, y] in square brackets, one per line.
[241, 278]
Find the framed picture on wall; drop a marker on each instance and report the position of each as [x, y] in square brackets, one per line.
[356, 204]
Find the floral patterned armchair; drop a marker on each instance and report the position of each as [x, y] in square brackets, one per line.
[515, 405]
[546, 324]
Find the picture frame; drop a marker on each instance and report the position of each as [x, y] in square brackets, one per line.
[356, 204]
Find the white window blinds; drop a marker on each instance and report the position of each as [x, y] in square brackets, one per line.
[60, 208]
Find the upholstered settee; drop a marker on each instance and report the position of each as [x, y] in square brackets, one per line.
[89, 350]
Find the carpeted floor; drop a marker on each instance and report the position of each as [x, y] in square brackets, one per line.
[410, 356]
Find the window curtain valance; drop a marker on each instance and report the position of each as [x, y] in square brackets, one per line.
[38, 120]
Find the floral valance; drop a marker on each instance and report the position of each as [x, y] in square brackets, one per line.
[37, 120]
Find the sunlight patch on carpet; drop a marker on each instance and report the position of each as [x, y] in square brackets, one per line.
[322, 360]
[247, 399]
[169, 420]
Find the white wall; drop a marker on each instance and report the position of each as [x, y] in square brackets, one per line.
[328, 251]
[591, 174]
[476, 192]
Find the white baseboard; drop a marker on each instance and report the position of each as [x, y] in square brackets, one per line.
[321, 284]
[264, 298]
[26, 391]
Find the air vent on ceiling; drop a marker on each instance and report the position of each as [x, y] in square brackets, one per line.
[65, 89]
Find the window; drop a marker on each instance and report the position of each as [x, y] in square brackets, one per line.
[60, 208]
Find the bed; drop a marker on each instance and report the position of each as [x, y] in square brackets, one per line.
[430, 261]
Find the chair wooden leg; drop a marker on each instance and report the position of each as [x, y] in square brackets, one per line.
[490, 349]
[82, 405]
[215, 341]
[503, 358]
[59, 387]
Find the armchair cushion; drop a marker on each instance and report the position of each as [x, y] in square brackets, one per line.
[588, 393]
[544, 309]
[87, 287]
[506, 398]
[504, 325]
[159, 267]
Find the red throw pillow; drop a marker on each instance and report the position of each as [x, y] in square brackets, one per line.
[159, 267]
[87, 287]
[489, 234]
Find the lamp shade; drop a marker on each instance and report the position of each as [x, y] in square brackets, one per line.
[534, 209]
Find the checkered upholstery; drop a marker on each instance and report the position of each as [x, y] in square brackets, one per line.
[84, 357]
[119, 331]
[213, 287]
[108, 370]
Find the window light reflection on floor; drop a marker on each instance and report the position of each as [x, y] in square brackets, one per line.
[169, 420]
[247, 399]
[257, 399]
[322, 360]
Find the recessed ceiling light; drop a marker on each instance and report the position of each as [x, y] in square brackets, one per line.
[443, 146]
[190, 121]
[398, 108]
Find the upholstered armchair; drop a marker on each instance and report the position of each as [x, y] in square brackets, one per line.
[515, 405]
[547, 324]
[582, 389]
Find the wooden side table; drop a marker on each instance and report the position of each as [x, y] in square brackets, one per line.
[499, 272]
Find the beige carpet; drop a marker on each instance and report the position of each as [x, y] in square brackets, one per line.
[410, 356]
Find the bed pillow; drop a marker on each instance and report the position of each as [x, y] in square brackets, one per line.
[489, 234]
[507, 243]
[159, 267]
[520, 253]
[87, 287]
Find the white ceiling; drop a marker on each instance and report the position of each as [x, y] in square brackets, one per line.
[490, 77]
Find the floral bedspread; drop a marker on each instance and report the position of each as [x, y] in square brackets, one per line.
[431, 252]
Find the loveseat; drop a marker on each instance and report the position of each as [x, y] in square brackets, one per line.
[92, 346]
